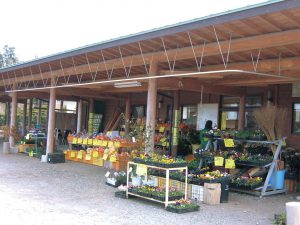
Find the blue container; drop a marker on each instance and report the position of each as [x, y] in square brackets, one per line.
[279, 179]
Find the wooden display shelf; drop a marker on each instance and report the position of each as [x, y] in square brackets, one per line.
[166, 202]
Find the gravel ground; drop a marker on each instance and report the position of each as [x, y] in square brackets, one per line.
[73, 193]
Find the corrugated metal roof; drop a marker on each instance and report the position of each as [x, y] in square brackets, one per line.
[230, 15]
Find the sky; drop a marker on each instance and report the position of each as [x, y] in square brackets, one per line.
[38, 28]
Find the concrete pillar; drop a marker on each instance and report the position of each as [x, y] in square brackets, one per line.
[24, 118]
[151, 109]
[30, 114]
[241, 124]
[79, 116]
[176, 120]
[127, 114]
[13, 115]
[51, 121]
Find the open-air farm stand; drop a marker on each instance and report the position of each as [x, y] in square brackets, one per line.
[137, 104]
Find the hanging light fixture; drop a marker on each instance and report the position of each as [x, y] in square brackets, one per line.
[127, 84]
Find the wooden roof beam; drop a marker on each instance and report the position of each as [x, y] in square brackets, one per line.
[211, 49]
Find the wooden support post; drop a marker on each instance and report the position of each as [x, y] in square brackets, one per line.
[151, 108]
[51, 119]
[241, 124]
[7, 114]
[24, 118]
[13, 115]
[79, 116]
[127, 114]
[30, 114]
[91, 116]
[176, 120]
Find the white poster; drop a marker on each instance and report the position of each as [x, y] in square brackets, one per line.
[207, 112]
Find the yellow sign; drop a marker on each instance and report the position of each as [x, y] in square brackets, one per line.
[88, 157]
[219, 161]
[95, 154]
[113, 158]
[229, 164]
[79, 155]
[175, 136]
[223, 121]
[228, 142]
[104, 143]
[105, 156]
[73, 154]
[90, 141]
[110, 144]
[75, 140]
[161, 129]
[79, 140]
[85, 141]
[141, 169]
[97, 142]
[117, 144]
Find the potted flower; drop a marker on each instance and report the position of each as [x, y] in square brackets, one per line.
[183, 206]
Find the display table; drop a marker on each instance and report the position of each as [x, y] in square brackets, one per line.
[166, 202]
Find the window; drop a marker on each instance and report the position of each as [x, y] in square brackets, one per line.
[189, 115]
[138, 111]
[66, 106]
[230, 108]
[296, 118]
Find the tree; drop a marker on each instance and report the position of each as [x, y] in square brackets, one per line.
[8, 57]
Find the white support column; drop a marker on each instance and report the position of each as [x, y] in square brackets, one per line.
[51, 121]
[79, 116]
[151, 108]
[13, 115]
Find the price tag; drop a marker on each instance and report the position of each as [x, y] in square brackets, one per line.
[104, 143]
[90, 141]
[110, 144]
[79, 140]
[73, 154]
[117, 144]
[79, 155]
[75, 140]
[141, 170]
[113, 158]
[105, 156]
[229, 164]
[228, 142]
[161, 129]
[88, 157]
[219, 161]
[85, 141]
[95, 154]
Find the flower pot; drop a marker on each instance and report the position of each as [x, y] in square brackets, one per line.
[6, 147]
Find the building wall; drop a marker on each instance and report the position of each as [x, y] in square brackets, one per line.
[286, 100]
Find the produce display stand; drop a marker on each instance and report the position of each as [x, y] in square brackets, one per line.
[166, 202]
[265, 190]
